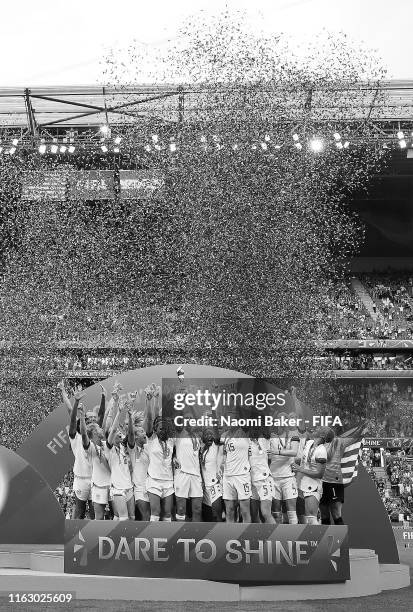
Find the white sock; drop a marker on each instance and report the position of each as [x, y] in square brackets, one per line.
[311, 520]
[292, 517]
[115, 518]
[180, 517]
[278, 517]
[123, 518]
[167, 519]
[154, 518]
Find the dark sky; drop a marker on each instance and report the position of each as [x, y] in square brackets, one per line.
[387, 211]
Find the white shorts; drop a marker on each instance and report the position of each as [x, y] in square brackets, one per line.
[126, 493]
[285, 488]
[100, 495]
[82, 488]
[212, 493]
[263, 490]
[237, 487]
[187, 485]
[140, 493]
[162, 488]
[316, 492]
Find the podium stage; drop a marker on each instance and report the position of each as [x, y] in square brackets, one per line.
[40, 569]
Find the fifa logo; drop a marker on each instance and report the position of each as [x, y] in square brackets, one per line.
[80, 548]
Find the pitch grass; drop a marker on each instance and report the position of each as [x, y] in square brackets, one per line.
[400, 600]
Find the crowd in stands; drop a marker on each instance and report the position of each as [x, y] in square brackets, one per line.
[385, 407]
[394, 483]
[371, 361]
[64, 495]
[345, 315]
[391, 314]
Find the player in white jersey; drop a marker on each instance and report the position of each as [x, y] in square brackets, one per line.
[82, 468]
[236, 478]
[95, 446]
[91, 416]
[211, 458]
[160, 448]
[160, 480]
[283, 450]
[140, 462]
[121, 487]
[261, 478]
[309, 470]
[187, 477]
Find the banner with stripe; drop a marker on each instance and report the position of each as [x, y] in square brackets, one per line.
[351, 453]
[224, 552]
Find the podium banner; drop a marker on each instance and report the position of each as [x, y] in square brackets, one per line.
[47, 185]
[225, 552]
[388, 442]
[141, 184]
[91, 185]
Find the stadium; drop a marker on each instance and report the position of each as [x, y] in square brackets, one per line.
[124, 245]
[368, 331]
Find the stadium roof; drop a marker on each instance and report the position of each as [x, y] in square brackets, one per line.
[50, 108]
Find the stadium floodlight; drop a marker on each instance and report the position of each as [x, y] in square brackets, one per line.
[277, 146]
[203, 139]
[339, 145]
[148, 148]
[104, 148]
[117, 140]
[234, 147]
[267, 138]
[316, 145]
[42, 148]
[105, 129]
[12, 150]
[336, 136]
[71, 149]
[402, 143]
[298, 146]
[346, 144]
[172, 147]
[116, 150]
[400, 135]
[63, 149]
[15, 142]
[296, 137]
[264, 146]
[54, 148]
[155, 137]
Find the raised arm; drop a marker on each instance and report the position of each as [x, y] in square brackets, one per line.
[131, 431]
[111, 411]
[73, 416]
[102, 406]
[83, 430]
[152, 408]
[65, 397]
[120, 415]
